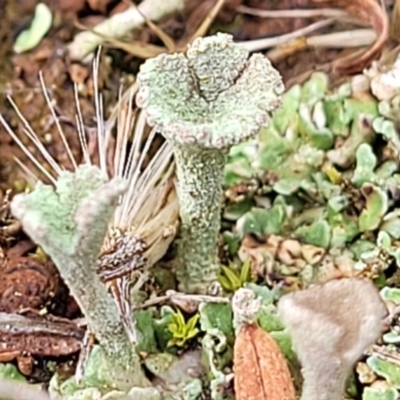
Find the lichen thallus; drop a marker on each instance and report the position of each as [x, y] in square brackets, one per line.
[145, 221]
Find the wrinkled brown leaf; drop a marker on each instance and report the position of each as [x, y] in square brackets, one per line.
[37, 336]
[261, 371]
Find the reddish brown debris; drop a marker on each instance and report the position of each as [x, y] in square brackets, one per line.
[99, 5]
[27, 283]
[41, 345]
[25, 364]
[66, 6]
[23, 337]
[261, 371]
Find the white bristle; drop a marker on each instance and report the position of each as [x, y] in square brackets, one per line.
[147, 213]
[81, 127]
[29, 175]
[98, 98]
[126, 165]
[28, 153]
[57, 122]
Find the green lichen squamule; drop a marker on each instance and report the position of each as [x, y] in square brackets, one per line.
[204, 102]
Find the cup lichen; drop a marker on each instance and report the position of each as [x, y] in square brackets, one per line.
[204, 102]
[69, 222]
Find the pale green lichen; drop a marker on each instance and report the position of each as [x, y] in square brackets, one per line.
[217, 345]
[204, 102]
[386, 369]
[245, 306]
[382, 392]
[298, 183]
[69, 222]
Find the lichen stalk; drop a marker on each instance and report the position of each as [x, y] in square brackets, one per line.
[69, 221]
[331, 326]
[334, 380]
[199, 187]
[102, 315]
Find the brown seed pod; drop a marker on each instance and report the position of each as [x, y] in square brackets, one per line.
[261, 371]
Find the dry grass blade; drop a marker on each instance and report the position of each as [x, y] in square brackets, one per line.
[203, 28]
[297, 13]
[395, 21]
[260, 44]
[338, 40]
[121, 24]
[147, 50]
[369, 12]
[134, 47]
[165, 38]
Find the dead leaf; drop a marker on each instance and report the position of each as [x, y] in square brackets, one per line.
[37, 336]
[25, 364]
[20, 248]
[26, 282]
[372, 14]
[78, 73]
[261, 371]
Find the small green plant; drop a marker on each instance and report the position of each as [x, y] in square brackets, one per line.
[40, 255]
[233, 278]
[181, 330]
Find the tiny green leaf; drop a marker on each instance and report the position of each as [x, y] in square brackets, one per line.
[181, 330]
[233, 278]
[375, 208]
[318, 233]
[380, 393]
[245, 272]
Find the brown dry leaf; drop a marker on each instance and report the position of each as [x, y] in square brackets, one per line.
[261, 371]
[26, 282]
[372, 14]
[22, 337]
[78, 73]
[262, 254]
